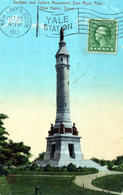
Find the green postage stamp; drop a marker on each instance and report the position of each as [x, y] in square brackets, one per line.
[102, 36]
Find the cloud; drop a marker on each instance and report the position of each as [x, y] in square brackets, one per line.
[34, 25]
[75, 22]
[105, 7]
[1, 103]
[113, 8]
[118, 141]
[41, 25]
[78, 78]
[121, 46]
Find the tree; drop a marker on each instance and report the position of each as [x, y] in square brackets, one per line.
[48, 167]
[71, 167]
[34, 166]
[3, 138]
[4, 171]
[119, 160]
[110, 165]
[17, 153]
[3, 131]
[11, 153]
[95, 160]
[103, 162]
[40, 156]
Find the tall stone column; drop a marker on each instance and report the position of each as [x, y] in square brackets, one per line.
[62, 90]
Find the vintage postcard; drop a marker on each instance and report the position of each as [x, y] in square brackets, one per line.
[61, 96]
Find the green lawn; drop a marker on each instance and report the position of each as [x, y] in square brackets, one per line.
[110, 182]
[25, 185]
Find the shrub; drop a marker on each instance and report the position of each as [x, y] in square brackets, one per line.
[93, 170]
[121, 166]
[41, 168]
[63, 169]
[34, 167]
[4, 171]
[56, 168]
[14, 171]
[110, 165]
[71, 167]
[13, 167]
[81, 169]
[118, 168]
[48, 168]
[27, 167]
[103, 162]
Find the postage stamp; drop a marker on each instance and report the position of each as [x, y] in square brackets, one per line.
[15, 21]
[102, 36]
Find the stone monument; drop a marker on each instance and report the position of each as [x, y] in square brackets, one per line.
[63, 141]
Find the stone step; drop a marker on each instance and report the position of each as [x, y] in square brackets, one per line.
[84, 163]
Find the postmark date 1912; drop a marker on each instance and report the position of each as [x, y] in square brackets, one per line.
[15, 21]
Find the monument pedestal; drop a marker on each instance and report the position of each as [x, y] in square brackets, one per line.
[63, 149]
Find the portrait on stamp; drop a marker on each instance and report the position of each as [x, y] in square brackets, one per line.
[102, 36]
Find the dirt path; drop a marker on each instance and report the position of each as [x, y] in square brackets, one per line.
[85, 180]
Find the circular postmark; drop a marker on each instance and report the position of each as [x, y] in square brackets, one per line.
[15, 21]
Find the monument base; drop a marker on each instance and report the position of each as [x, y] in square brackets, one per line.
[63, 149]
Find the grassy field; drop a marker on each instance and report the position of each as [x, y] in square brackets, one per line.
[25, 185]
[110, 182]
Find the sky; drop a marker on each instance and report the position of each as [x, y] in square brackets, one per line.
[28, 84]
